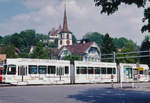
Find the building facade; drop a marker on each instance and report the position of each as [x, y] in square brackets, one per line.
[88, 51]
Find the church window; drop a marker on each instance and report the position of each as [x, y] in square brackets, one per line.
[67, 36]
[61, 42]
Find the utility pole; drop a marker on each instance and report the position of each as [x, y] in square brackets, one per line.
[114, 57]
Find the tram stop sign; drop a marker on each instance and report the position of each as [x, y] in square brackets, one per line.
[140, 69]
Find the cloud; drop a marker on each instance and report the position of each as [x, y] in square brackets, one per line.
[83, 17]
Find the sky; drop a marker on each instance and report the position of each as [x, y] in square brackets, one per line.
[83, 17]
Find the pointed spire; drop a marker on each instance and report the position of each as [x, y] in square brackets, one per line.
[65, 25]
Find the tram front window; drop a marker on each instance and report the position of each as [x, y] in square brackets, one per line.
[11, 70]
[141, 72]
[32, 69]
[109, 70]
[42, 69]
[114, 70]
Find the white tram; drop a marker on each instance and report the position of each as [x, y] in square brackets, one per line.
[43, 71]
[130, 73]
[95, 72]
[36, 71]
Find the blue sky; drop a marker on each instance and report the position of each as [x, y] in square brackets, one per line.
[83, 17]
[11, 8]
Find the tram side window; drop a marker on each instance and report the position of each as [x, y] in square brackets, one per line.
[42, 69]
[114, 70]
[90, 70]
[97, 70]
[11, 70]
[51, 69]
[32, 69]
[66, 70]
[4, 70]
[103, 70]
[109, 70]
[83, 70]
[78, 70]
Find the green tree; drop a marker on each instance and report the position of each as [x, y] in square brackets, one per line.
[111, 6]
[119, 42]
[107, 47]
[95, 37]
[129, 46]
[74, 40]
[72, 57]
[9, 50]
[146, 27]
[39, 52]
[145, 47]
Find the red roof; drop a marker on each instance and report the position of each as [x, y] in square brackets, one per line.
[76, 48]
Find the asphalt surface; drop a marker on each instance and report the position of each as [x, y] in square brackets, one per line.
[89, 93]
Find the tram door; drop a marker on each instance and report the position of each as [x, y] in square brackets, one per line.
[22, 72]
[129, 73]
[60, 72]
[1, 74]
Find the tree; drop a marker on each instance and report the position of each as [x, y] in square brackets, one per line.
[119, 43]
[111, 6]
[74, 40]
[129, 46]
[107, 47]
[9, 50]
[39, 52]
[72, 57]
[145, 47]
[146, 27]
[95, 37]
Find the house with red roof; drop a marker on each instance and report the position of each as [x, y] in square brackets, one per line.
[88, 51]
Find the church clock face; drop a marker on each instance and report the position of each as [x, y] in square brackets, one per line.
[67, 42]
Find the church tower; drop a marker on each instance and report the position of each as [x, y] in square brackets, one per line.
[65, 36]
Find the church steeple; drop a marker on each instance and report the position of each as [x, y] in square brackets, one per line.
[65, 24]
[65, 37]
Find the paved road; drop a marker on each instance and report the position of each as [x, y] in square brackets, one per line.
[94, 93]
